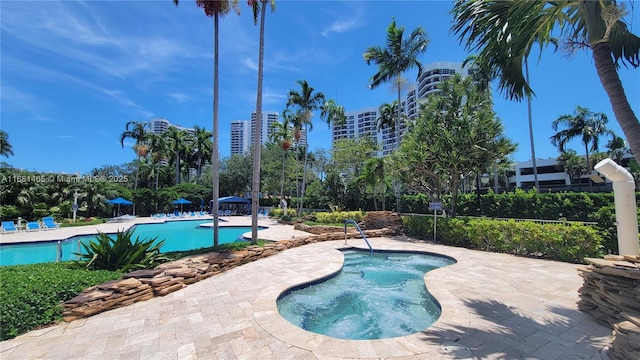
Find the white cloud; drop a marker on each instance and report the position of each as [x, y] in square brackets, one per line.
[340, 26]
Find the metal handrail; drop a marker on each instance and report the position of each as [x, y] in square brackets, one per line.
[359, 230]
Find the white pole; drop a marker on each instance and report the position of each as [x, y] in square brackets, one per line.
[75, 204]
[435, 221]
[625, 202]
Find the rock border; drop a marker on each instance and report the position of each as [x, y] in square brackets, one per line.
[611, 294]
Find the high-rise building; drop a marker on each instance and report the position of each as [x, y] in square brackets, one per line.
[240, 137]
[268, 118]
[160, 125]
[364, 122]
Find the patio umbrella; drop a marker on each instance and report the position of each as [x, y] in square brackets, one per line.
[181, 201]
[119, 201]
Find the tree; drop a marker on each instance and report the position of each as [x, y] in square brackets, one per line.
[203, 146]
[177, 141]
[255, 192]
[307, 100]
[572, 164]
[456, 133]
[215, 9]
[159, 149]
[281, 133]
[348, 155]
[5, 146]
[333, 113]
[504, 33]
[586, 125]
[399, 55]
[617, 149]
[136, 130]
[373, 175]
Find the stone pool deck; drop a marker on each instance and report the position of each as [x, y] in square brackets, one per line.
[495, 305]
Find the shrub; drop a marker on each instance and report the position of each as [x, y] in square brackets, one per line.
[121, 254]
[278, 212]
[563, 242]
[339, 216]
[30, 295]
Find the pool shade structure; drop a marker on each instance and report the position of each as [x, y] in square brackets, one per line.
[240, 203]
[181, 201]
[119, 201]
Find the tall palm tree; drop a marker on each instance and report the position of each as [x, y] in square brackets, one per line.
[5, 146]
[176, 139]
[504, 31]
[159, 153]
[388, 116]
[399, 55]
[373, 175]
[281, 133]
[255, 186]
[215, 9]
[306, 100]
[586, 125]
[136, 130]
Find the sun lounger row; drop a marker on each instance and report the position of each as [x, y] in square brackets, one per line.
[48, 223]
[177, 214]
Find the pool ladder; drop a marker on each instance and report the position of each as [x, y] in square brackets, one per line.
[350, 221]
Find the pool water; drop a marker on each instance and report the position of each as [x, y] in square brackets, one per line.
[178, 235]
[374, 296]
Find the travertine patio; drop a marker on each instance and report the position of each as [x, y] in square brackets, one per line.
[498, 306]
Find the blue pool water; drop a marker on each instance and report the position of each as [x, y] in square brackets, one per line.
[374, 296]
[178, 235]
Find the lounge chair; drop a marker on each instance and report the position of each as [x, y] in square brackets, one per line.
[33, 226]
[48, 223]
[9, 227]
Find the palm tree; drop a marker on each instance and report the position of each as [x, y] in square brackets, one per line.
[255, 186]
[5, 146]
[372, 175]
[203, 147]
[399, 55]
[504, 32]
[215, 9]
[136, 130]
[617, 149]
[388, 116]
[333, 113]
[281, 133]
[159, 149]
[175, 138]
[572, 164]
[586, 125]
[306, 100]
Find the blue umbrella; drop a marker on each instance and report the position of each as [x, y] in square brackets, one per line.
[181, 201]
[119, 201]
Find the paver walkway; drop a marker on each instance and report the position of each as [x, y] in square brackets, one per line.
[498, 306]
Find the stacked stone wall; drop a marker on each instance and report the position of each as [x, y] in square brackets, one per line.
[611, 293]
[166, 278]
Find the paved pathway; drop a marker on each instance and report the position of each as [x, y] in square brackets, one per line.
[498, 306]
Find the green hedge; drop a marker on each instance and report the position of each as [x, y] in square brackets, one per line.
[30, 295]
[339, 216]
[278, 212]
[563, 242]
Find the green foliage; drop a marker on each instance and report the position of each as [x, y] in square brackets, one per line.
[30, 295]
[563, 242]
[278, 212]
[9, 212]
[121, 254]
[236, 245]
[339, 216]
[82, 222]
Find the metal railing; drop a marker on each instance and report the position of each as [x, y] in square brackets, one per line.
[350, 221]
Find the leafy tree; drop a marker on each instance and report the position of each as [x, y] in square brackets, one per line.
[255, 202]
[504, 32]
[586, 125]
[617, 149]
[348, 155]
[399, 55]
[235, 175]
[5, 147]
[306, 100]
[456, 133]
[136, 130]
[373, 175]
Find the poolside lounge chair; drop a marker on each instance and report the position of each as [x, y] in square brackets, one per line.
[33, 226]
[9, 227]
[48, 223]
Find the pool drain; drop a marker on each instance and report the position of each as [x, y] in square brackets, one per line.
[457, 350]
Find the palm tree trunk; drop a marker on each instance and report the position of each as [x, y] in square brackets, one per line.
[304, 174]
[586, 151]
[214, 153]
[533, 148]
[619, 103]
[398, 119]
[255, 202]
[284, 154]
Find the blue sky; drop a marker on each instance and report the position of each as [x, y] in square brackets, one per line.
[74, 73]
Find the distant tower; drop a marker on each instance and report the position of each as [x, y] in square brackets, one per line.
[240, 137]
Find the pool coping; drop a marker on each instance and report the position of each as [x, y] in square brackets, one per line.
[267, 316]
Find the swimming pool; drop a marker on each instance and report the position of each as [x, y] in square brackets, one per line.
[374, 296]
[178, 235]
